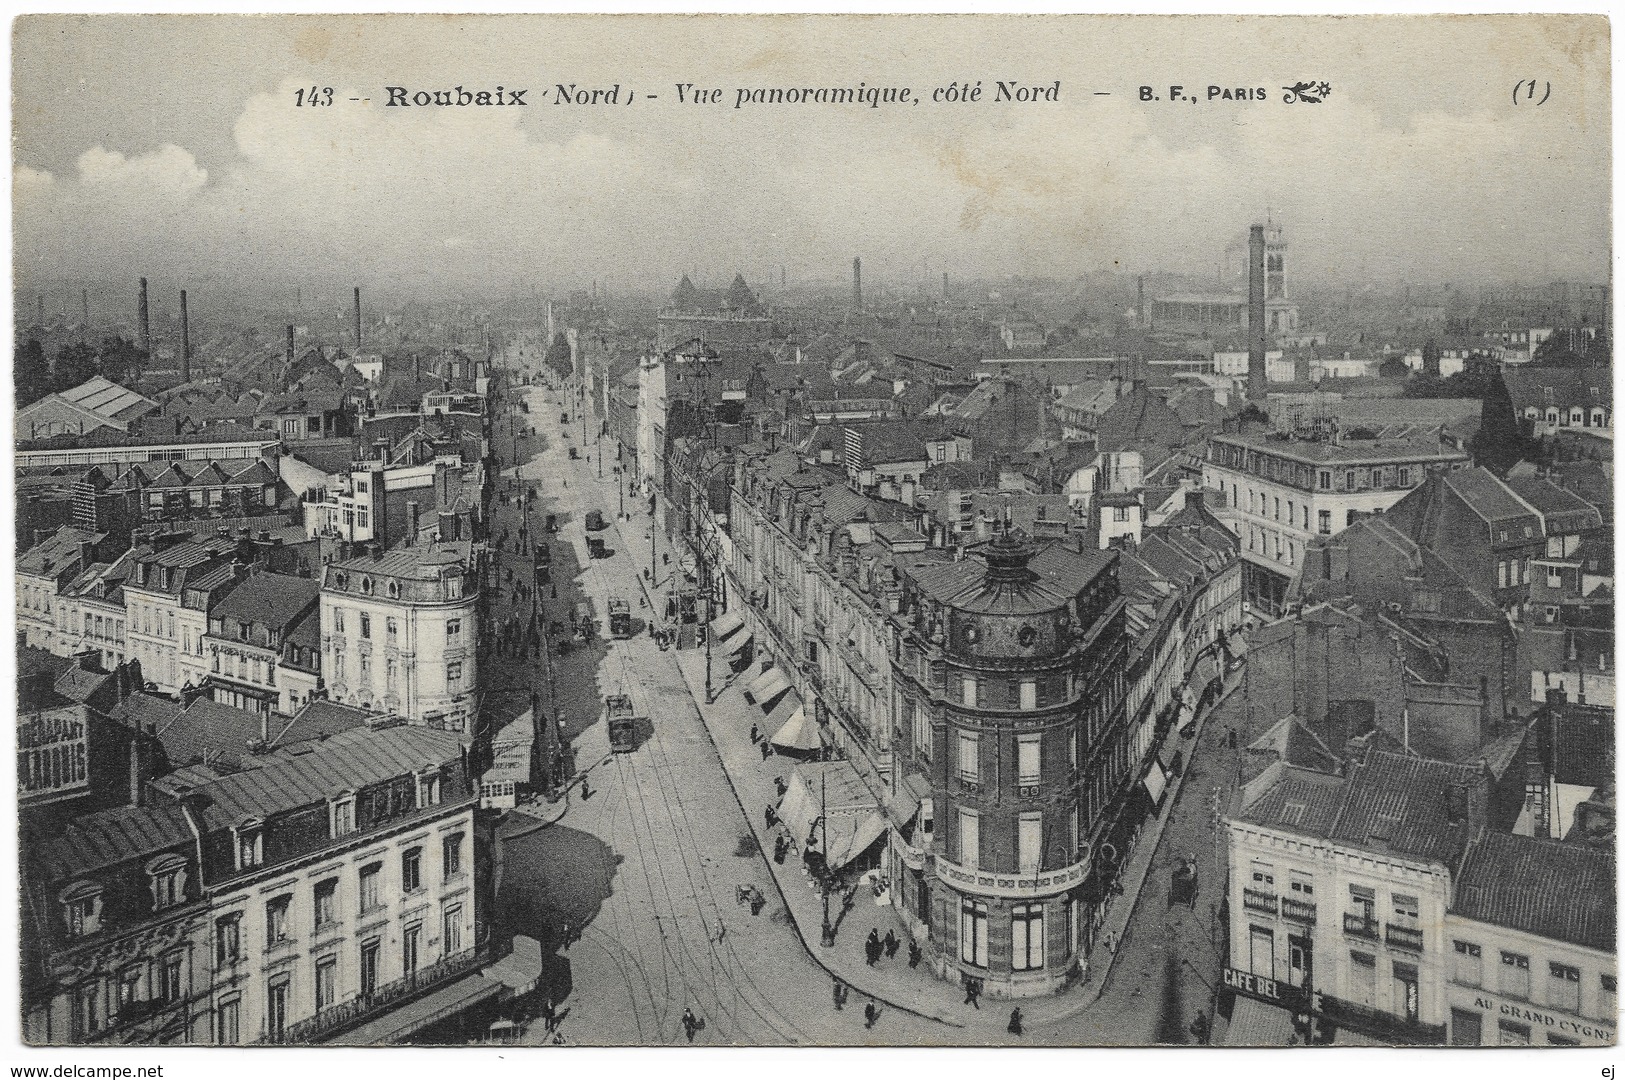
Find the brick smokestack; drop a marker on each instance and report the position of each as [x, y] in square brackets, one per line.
[186, 343]
[857, 285]
[1257, 374]
[141, 316]
[358, 318]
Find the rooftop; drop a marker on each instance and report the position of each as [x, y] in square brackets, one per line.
[268, 599]
[1555, 890]
[109, 837]
[1347, 451]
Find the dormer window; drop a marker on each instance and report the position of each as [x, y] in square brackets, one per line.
[166, 877]
[394, 589]
[250, 844]
[81, 908]
[341, 815]
[429, 787]
[341, 580]
[366, 585]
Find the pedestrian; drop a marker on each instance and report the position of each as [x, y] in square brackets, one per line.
[690, 1024]
[1111, 942]
[914, 954]
[1201, 1027]
[891, 944]
[770, 816]
[780, 785]
[547, 1013]
[1014, 1026]
[973, 990]
[778, 850]
[839, 995]
[872, 946]
[767, 749]
[586, 792]
[870, 1015]
[755, 734]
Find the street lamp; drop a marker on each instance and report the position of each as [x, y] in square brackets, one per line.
[827, 932]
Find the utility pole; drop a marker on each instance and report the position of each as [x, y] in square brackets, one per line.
[827, 934]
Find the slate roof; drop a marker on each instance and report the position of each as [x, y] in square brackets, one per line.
[108, 837]
[268, 599]
[1300, 800]
[108, 399]
[1486, 495]
[419, 561]
[1559, 891]
[349, 760]
[1527, 385]
[209, 731]
[1059, 573]
[56, 552]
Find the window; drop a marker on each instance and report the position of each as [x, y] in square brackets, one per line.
[129, 987]
[1029, 840]
[169, 978]
[1469, 965]
[1405, 911]
[1564, 990]
[454, 631]
[1277, 508]
[392, 630]
[276, 1007]
[369, 887]
[1302, 884]
[969, 757]
[1513, 1033]
[973, 932]
[1026, 937]
[1605, 1003]
[82, 909]
[1407, 993]
[1119, 513]
[327, 902]
[1029, 759]
[338, 614]
[1029, 693]
[1263, 876]
[411, 940]
[967, 689]
[1324, 480]
[1261, 950]
[1325, 518]
[412, 870]
[366, 625]
[451, 855]
[1363, 978]
[228, 945]
[276, 921]
[429, 790]
[227, 1022]
[343, 815]
[1466, 1028]
[452, 931]
[970, 839]
[1515, 975]
[87, 1007]
[327, 982]
[250, 846]
[454, 672]
[369, 967]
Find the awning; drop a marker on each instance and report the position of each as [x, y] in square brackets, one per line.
[753, 691]
[798, 733]
[726, 624]
[1155, 782]
[865, 832]
[736, 644]
[798, 808]
[521, 969]
[901, 806]
[767, 691]
[401, 1023]
[1258, 1023]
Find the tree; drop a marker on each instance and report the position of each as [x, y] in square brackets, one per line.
[1573, 347]
[1394, 368]
[75, 363]
[31, 375]
[119, 360]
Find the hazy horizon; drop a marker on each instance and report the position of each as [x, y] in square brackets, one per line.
[170, 146]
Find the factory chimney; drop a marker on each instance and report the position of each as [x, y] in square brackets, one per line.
[1139, 303]
[857, 285]
[141, 316]
[358, 319]
[1257, 373]
[186, 344]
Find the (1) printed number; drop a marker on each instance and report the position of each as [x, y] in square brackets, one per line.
[313, 95]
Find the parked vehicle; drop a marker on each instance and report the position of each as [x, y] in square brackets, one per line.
[595, 521]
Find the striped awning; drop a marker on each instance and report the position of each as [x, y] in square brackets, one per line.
[768, 689]
[753, 691]
[736, 644]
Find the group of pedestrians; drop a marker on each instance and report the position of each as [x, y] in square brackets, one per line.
[871, 1011]
[875, 947]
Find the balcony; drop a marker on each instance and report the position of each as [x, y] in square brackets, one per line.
[1404, 937]
[336, 1018]
[1297, 910]
[1359, 926]
[1255, 900]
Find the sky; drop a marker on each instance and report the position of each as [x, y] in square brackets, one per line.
[171, 146]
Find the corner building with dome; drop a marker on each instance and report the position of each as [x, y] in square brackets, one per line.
[1009, 671]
